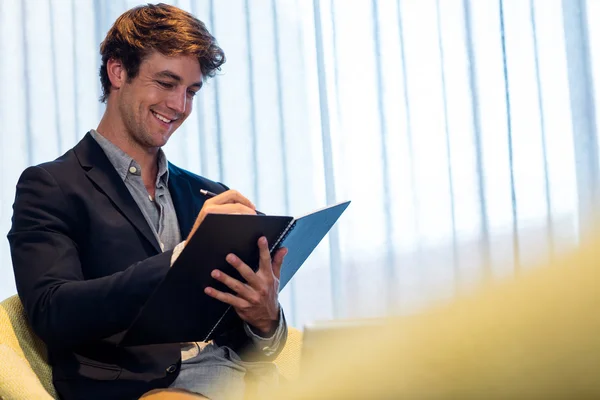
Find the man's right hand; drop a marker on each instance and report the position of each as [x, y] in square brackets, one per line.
[229, 202]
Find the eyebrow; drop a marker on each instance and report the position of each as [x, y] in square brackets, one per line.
[177, 78]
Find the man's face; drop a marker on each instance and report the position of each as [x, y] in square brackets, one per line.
[156, 102]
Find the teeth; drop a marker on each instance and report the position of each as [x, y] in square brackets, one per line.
[163, 119]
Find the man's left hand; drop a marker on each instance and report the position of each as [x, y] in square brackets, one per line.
[256, 301]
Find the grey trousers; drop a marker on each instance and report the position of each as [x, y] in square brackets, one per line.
[219, 374]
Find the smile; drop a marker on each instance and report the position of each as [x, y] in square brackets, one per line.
[162, 118]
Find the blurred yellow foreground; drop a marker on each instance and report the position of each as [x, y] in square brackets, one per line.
[536, 337]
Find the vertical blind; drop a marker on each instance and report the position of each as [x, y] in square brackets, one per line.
[463, 131]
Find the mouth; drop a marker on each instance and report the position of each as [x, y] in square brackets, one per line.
[162, 118]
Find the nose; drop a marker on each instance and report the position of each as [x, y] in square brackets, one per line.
[177, 101]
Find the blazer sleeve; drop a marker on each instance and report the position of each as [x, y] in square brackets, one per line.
[65, 309]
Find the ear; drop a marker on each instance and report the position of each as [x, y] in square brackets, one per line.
[116, 73]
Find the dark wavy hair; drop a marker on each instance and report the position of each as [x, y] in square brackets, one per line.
[157, 27]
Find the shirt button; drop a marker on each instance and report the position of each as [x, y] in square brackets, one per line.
[133, 170]
[171, 368]
[268, 351]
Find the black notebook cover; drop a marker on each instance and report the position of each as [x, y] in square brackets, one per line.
[180, 311]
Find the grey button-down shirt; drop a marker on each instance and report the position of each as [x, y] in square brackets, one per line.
[158, 211]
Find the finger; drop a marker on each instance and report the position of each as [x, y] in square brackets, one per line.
[229, 208]
[240, 288]
[245, 271]
[227, 298]
[231, 196]
[278, 261]
[264, 264]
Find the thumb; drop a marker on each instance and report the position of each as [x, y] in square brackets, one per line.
[278, 261]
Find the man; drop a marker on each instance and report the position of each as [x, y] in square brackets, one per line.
[95, 231]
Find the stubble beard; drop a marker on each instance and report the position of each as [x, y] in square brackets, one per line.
[135, 129]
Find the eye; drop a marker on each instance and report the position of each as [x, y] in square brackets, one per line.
[192, 93]
[166, 85]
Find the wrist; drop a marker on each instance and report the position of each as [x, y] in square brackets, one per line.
[266, 329]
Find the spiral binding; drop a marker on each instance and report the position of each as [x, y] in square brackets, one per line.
[282, 236]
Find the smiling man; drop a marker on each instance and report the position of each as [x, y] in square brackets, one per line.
[95, 231]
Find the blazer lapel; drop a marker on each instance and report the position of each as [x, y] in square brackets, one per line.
[99, 169]
[183, 200]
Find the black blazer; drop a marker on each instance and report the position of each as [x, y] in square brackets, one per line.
[85, 261]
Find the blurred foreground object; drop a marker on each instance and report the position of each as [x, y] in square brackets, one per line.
[537, 336]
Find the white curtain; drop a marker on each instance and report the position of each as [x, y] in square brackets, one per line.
[464, 132]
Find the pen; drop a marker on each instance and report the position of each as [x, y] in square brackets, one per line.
[210, 194]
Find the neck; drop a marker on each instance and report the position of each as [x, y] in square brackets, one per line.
[114, 130]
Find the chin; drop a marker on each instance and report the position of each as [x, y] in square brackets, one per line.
[161, 141]
[153, 140]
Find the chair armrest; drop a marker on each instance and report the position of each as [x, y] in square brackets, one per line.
[288, 361]
[17, 379]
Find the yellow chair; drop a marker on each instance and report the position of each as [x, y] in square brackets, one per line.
[25, 373]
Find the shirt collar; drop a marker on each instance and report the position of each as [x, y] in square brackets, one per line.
[163, 169]
[123, 163]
